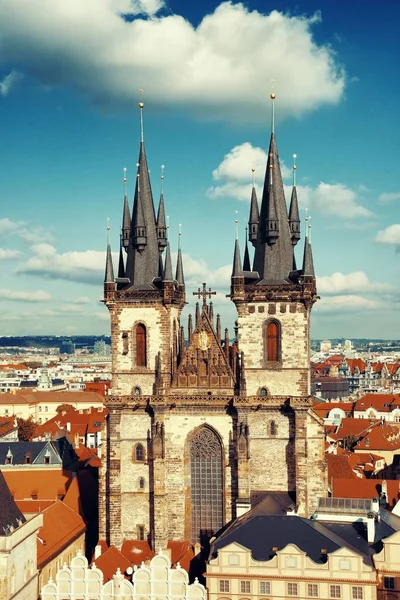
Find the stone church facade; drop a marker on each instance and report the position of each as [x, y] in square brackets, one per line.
[199, 426]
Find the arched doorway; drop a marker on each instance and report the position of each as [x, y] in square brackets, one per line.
[206, 490]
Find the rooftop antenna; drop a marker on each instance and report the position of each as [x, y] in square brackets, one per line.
[294, 169]
[273, 96]
[141, 106]
[162, 178]
[236, 226]
[124, 180]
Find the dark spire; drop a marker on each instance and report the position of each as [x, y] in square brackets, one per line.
[109, 273]
[126, 219]
[161, 223]
[179, 262]
[143, 252]
[211, 313]
[294, 218]
[168, 265]
[237, 263]
[190, 327]
[308, 263]
[246, 260]
[121, 265]
[218, 327]
[254, 218]
[273, 257]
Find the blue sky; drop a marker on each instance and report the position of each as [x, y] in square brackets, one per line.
[69, 80]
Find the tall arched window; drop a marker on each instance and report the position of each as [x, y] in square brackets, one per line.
[206, 493]
[141, 350]
[139, 453]
[273, 341]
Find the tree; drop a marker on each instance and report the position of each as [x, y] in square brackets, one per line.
[64, 408]
[26, 427]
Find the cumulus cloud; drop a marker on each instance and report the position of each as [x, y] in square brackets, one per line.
[9, 82]
[107, 49]
[390, 235]
[81, 300]
[20, 296]
[388, 197]
[328, 199]
[28, 233]
[339, 283]
[346, 303]
[85, 267]
[9, 254]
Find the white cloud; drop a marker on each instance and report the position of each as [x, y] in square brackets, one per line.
[389, 197]
[8, 82]
[339, 283]
[85, 267]
[38, 296]
[29, 233]
[328, 199]
[81, 300]
[9, 254]
[346, 303]
[390, 235]
[106, 55]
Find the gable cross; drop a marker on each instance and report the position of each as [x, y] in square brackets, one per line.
[204, 293]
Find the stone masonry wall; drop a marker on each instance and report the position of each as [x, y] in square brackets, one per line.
[291, 376]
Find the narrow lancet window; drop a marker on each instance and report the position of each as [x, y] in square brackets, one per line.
[141, 343]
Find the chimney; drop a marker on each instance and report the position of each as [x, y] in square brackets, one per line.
[97, 552]
[375, 505]
[68, 426]
[384, 487]
[370, 528]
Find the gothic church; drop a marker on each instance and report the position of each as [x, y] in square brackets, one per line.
[198, 426]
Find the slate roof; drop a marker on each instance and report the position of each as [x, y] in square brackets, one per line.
[19, 450]
[10, 515]
[260, 533]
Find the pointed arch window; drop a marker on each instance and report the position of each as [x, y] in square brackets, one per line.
[273, 341]
[139, 453]
[141, 345]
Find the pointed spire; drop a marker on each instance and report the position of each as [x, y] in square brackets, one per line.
[294, 218]
[273, 257]
[168, 265]
[218, 327]
[161, 223]
[109, 273]
[121, 265]
[246, 259]
[254, 218]
[126, 217]
[237, 263]
[197, 313]
[190, 327]
[308, 262]
[179, 263]
[211, 313]
[226, 346]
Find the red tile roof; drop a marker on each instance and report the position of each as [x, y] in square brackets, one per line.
[47, 484]
[379, 438]
[7, 424]
[380, 402]
[364, 488]
[111, 560]
[61, 526]
[339, 467]
[52, 398]
[137, 551]
[33, 506]
[354, 363]
[323, 408]
[181, 552]
[350, 426]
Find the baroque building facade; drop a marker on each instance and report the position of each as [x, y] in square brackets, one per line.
[199, 426]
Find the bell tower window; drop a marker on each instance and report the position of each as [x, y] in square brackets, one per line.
[141, 345]
[273, 341]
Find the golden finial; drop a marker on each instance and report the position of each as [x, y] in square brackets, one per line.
[309, 232]
[167, 222]
[141, 105]
[179, 235]
[253, 176]
[236, 225]
[294, 169]
[272, 96]
[124, 180]
[162, 178]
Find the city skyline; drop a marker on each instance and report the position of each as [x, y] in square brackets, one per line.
[69, 89]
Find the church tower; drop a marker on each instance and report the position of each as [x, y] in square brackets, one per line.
[201, 427]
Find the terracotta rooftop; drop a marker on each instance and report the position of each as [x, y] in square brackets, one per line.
[61, 526]
[45, 484]
[51, 398]
[7, 424]
[137, 551]
[323, 408]
[379, 438]
[182, 553]
[33, 506]
[111, 560]
[339, 466]
[364, 488]
[380, 402]
[350, 426]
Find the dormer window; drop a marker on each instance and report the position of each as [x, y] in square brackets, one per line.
[9, 457]
[27, 458]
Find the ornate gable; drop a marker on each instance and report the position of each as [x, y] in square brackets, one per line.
[205, 363]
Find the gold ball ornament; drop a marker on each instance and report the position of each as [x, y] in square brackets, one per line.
[272, 96]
